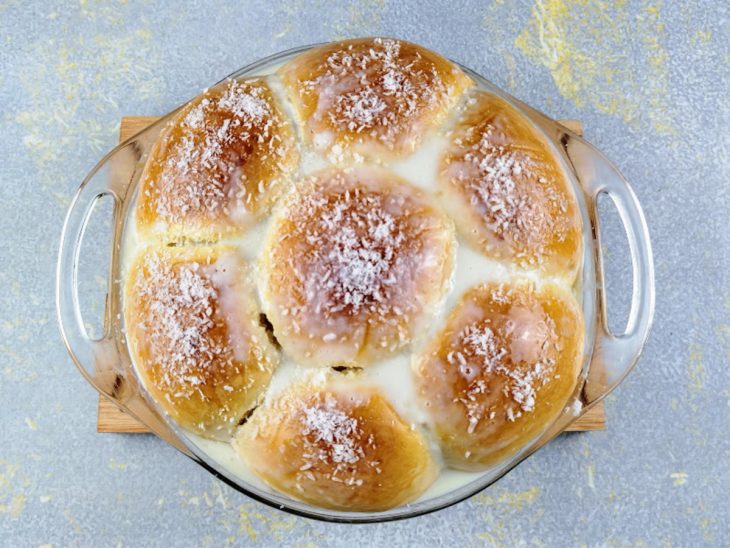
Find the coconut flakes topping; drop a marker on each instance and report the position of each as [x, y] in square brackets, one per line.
[515, 203]
[177, 323]
[480, 355]
[332, 438]
[204, 170]
[377, 91]
[359, 257]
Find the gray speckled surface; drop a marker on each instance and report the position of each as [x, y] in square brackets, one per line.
[650, 81]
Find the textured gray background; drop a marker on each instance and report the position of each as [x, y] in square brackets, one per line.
[650, 81]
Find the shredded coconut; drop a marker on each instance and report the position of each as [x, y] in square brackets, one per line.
[206, 155]
[514, 202]
[333, 438]
[177, 322]
[376, 90]
[479, 355]
[335, 430]
[356, 253]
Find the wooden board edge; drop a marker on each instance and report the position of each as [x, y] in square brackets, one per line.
[112, 420]
[592, 420]
[131, 125]
[576, 126]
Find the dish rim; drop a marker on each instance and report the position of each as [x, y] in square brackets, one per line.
[590, 275]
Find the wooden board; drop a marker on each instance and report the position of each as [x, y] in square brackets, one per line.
[111, 419]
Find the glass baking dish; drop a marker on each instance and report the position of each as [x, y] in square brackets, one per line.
[106, 364]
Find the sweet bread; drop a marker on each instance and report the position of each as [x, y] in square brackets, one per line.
[218, 165]
[501, 370]
[194, 334]
[507, 191]
[357, 274]
[372, 97]
[337, 446]
[356, 260]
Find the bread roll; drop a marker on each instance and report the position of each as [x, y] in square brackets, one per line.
[507, 191]
[338, 446]
[355, 261]
[219, 164]
[375, 97]
[192, 326]
[501, 370]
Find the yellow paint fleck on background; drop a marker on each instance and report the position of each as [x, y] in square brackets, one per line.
[701, 38]
[516, 501]
[364, 19]
[706, 529]
[591, 475]
[114, 465]
[696, 368]
[253, 523]
[723, 335]
[584, 46]
[12, 496]
[678, 478]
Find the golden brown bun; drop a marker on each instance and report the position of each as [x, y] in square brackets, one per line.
[355, 261]
[508, 192]
[372, 96]
[220, 163]
[337, 447]
[194, 334]
[501, 370]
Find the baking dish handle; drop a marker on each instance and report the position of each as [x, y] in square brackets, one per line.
[614, 355]
[88, 354]
[100, 360]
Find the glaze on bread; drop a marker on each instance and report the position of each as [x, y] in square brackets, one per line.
[508, 192]
[194, 334]
[501, 370]
[339, 447]
[219, 164]
[373, 97]
[348, 178]
[356, 260]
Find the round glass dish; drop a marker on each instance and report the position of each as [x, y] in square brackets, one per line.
[105, 361]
